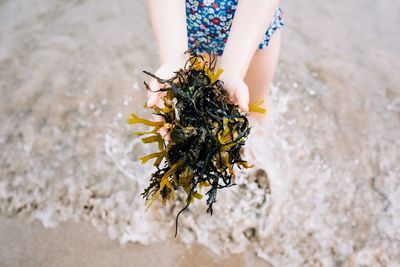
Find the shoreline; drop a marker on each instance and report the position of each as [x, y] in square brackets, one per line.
[68, 79]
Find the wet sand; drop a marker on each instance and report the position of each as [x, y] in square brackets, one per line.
[69, 76]
[79, 244]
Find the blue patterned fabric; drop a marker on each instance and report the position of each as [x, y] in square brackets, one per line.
[209, 23]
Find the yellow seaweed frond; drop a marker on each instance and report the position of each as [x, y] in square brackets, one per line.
[152, 139]
[193, 196]
[197, 195]
[227, 146]
[190, 197]
[224, 136]
[185, 177]
[157, 110]
[146, 158]
[164, 179]
[203, 184]
[186, 188]
[135, 119]
[213, 77]
[197, 63]
[255, 107]
[159, 158]
[165, 182]
[245, 164]
[149, 132]
[166, 109]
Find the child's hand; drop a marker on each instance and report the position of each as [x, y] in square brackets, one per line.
[165, 71]
[237, 90]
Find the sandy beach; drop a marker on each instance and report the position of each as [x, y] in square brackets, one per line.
[70, 75]
[79, 244]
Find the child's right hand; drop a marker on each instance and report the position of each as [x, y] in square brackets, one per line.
[165, 71]
[154, 98]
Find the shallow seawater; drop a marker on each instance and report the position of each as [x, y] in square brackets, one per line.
[70, 74]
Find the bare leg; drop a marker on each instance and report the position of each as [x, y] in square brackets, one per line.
[261, 72]
[258, 78]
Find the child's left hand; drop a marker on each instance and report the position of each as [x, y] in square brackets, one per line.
[237, 90]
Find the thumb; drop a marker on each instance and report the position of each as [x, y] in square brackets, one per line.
[242, 95]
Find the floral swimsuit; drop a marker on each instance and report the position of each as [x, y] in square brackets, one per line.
[209, 23]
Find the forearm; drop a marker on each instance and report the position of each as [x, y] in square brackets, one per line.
[168, 20]
[251, 20]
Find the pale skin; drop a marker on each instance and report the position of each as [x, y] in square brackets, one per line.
[247, 70]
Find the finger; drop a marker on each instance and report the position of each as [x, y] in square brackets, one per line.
[231, 94]
[167, 137]
[152, 95]
[232, 97]
[242, 95]
[152, 99]
[163, 132]
[158, 117]
[160, 101]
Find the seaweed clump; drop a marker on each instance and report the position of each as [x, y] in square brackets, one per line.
[206, 133]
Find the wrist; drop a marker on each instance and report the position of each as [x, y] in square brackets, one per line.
[231, 68]
[177, 61]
